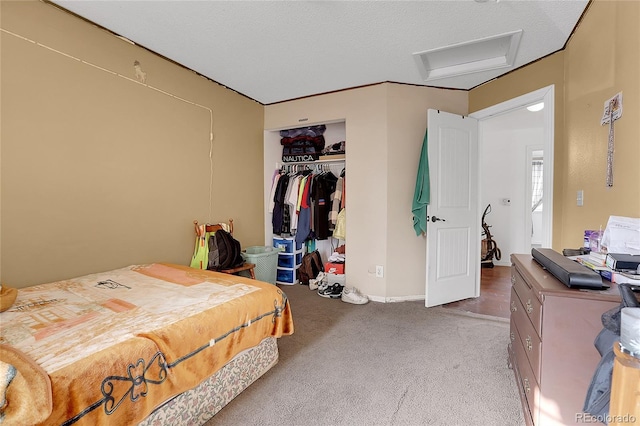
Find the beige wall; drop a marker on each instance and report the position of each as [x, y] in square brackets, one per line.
[99, 171]
[535, 76]
[407, 122]
[1, 153]
[385, 125]
[364, 111]
[602, 58]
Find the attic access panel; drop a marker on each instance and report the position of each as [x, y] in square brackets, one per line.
[484, 54]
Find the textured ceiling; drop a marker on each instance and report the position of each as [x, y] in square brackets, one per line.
[273, 51]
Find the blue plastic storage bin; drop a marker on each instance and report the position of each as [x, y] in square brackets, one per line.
[290, 260]
[286, 244]
[286, 276]
[286, 260]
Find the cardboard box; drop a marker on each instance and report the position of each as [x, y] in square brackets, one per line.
[334, 268]
[335, 279]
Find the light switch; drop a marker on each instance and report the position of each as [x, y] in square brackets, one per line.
[580, 198]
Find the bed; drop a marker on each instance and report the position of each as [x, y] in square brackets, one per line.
[145, 344]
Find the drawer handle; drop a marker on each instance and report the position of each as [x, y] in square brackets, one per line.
[529, 306]
[513, 337]
[513, 306]
[529, 343]
[527, 388]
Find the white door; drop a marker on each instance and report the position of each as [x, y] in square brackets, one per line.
[453, 236]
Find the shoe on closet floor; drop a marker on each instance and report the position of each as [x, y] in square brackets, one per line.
[336, 291]
[313, 284]
[324, 289]
[352, 295]
[333, 291]
[321, 285]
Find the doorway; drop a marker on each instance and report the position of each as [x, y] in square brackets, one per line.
[510, 157]
[536, 227]
[511, 163]
[535, 188]
[511, 139]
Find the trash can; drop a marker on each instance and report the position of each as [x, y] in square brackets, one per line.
[266, 261]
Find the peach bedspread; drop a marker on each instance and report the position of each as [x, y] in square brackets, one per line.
[118, 344]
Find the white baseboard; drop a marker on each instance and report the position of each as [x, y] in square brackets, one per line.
[395, 299]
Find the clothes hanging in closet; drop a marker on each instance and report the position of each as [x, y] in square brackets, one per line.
[281, 216]
[322, 190]
[303, 203]
[337, 203]
[304, 211]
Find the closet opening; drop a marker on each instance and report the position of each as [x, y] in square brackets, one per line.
[305, 192]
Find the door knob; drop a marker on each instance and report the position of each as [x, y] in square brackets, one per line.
[434, 219]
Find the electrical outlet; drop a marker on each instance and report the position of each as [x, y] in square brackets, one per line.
[379, 271]
[580, 198]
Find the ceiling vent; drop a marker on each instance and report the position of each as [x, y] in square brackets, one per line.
[484, 54]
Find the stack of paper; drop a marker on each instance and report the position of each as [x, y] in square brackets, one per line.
[598, 258]
[622, 235]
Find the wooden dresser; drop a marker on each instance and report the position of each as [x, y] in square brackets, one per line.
[551, 346]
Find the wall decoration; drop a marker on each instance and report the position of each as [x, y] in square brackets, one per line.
[612, 112]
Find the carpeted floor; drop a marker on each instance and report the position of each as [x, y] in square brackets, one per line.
[382, 364]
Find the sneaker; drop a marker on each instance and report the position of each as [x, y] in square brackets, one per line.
[352, 295]
[322, 285]
[333, 291]
[313, 284]
[336, 291]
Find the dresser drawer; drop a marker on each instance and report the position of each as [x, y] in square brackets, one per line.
[528, 384]
[529, 338]
[530, 302]
[559, 325]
